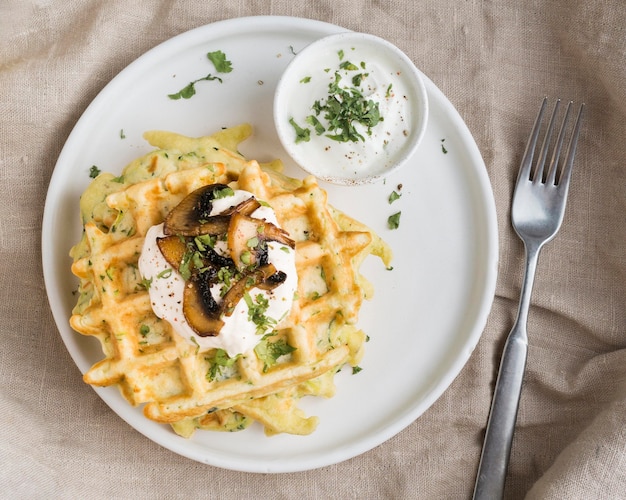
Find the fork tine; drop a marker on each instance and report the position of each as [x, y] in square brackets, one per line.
[527, 159]
[538, 176]
[554, 161]
[571, 151]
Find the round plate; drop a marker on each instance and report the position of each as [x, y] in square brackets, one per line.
[429, 310]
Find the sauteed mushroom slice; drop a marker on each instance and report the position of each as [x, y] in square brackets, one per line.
[173, 249]
[248, 237]
[192, 216]
[201, 310]
[260, 278]
[276, 279]
[183, 225]
[246, 207]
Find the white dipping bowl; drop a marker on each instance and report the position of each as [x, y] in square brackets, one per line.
[386, 76]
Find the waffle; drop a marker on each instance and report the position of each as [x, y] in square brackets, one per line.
[144, 356]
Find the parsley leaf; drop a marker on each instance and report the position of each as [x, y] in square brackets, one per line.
[343, 108]
[218, 362]
[319, 128]
[145, 283]
[257, 307]
[218, 194]
[302, 134]
[393, 222]
[269, 352]
[94, 172]
[218, 58]
[394, 196]
[189, 91]
[348, 66]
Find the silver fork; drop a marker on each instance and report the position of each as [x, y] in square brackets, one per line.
[537, 213]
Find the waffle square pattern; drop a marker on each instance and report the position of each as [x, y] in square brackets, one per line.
[178, 382]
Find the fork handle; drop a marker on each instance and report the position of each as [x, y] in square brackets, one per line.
[503, 414]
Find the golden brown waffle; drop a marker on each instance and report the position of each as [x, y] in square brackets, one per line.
[149, 361]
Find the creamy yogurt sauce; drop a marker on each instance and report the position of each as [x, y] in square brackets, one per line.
[238, 335]
[380, 80]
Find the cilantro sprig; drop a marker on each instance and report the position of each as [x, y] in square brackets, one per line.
[222, 65]
[269, 352]
[94, 172]
[189, 90]
[393, 221]
[218, 58]
[218, 361]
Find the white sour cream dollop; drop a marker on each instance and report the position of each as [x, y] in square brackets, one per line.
[380, 81]
[239, 334]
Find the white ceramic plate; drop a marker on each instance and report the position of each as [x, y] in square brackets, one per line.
[428, 312]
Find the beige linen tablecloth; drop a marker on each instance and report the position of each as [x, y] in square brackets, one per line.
[494, 61]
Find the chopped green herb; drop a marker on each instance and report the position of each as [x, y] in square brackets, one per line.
[165, 274]
[217, 362]
[205, 240]
[257, 308]
[269, 352]
[144, 330]
[122, 134]
[193, 339]
[184, 268]
[246, 257]
[443, 148]
[94, 172]
[225, 275]
[319, 128]
[393, 222]
[306, 79]
[302, 134]
[218, 194]
[119, 179]
[348, 66]
[198, 263]
[358, 78]
[218, 58]
[144, 283]
[394, 196]
[388, 92]
[189, 91]
[345, 107]
[356, 369]
[340, 53]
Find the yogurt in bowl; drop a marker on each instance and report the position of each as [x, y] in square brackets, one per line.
[351, 108]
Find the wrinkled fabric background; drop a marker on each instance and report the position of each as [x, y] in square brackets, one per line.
[494, 61]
